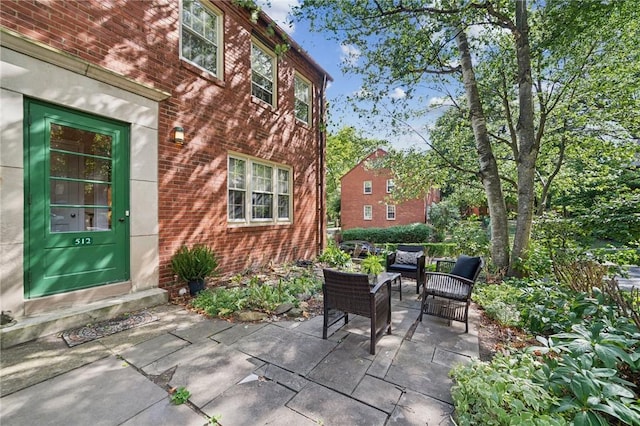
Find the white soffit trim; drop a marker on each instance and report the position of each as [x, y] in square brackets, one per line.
[15, 41]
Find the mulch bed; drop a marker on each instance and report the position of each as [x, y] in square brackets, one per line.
[494, 337]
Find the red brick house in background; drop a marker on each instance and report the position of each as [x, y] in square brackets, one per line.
[364, 194]
[98, 191]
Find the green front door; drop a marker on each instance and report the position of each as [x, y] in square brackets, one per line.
[76, 200]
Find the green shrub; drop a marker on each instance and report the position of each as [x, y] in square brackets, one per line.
[194, 263]
[372, 264]
[334, 257]
[471, 238]
[443, 216]
[499, 301]
[404, 234]
[502, 392]
[256, 295]
[441, 249]
[619, 256]
[585, 372]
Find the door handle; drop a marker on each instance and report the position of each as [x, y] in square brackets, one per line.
[121, 219]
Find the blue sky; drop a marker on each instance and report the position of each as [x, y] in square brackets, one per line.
[329, 54]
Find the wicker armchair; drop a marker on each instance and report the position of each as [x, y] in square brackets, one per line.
[447, 292]
[351, 293]
[413, 269]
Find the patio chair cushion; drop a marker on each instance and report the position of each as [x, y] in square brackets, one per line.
[407, 257]
[466, 267]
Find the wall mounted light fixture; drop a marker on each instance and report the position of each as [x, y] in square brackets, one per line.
[178, 135]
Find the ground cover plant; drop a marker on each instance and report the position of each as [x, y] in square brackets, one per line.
[258, 293]
[584, 369]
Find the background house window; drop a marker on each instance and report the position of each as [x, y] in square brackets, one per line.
[270, 189]
[368, 212]
[263, 66]
[391, 212]
[302, 99]
[201, 36]
[368, 188]
[390, 186]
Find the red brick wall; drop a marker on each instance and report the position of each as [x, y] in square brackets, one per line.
[353, 200]
[140, 39]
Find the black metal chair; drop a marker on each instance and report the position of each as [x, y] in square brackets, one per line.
[447, 292]
[409, 262]
[352, 293]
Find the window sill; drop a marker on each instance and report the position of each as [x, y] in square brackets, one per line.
[206, 75]
[264, 105]
[256, 227]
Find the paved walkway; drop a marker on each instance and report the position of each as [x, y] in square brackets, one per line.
[278, 373]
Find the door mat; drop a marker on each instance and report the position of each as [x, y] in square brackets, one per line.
[78, 336]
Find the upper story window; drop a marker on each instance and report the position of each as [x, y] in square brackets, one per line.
[368, 212]
[201, 36]
[368, 187]
[390, 186]
[263, 74]
[391, 212]
[259, 192]
[302, 99]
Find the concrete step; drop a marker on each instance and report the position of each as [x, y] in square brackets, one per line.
[33, 327]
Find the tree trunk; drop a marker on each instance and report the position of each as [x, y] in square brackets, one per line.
[528, 152]
[488, 166]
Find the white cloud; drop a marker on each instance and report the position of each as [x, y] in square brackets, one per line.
[397, 93]
[440, 101]
[279, 10]
[349, 54]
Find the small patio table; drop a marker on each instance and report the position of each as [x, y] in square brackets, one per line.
[392, 277]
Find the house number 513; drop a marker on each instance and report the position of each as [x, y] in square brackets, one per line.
[86, 241]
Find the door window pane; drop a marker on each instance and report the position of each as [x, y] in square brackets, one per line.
[80, 173]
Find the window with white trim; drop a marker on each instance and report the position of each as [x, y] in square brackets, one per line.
[201, 36]
[391, 212]
[263, 74]
[259, 192]
[368, 212]
[368, 187]
[390, 186]
[302, 90]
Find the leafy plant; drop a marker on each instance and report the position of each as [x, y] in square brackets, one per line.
[372, 264]
[586, 374]
[256, 295]
[196, 263]
[499, 301]
[444, 216]
[471, 238]
[180, 396]
[502, 392]
[334, 257]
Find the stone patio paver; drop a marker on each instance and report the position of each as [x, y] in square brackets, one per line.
[417, 409]
[72, 398]
[152, 350]
[248, 403]
[206, 369]
[279, 373]
[288, 349]
[202, 330]
[328, 407]
[343, 368]
[165, 413]
[378, 393]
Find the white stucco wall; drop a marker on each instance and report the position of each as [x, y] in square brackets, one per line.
[25, 76]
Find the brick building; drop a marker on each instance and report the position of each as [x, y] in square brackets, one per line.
[99, 190]
[365, 192]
